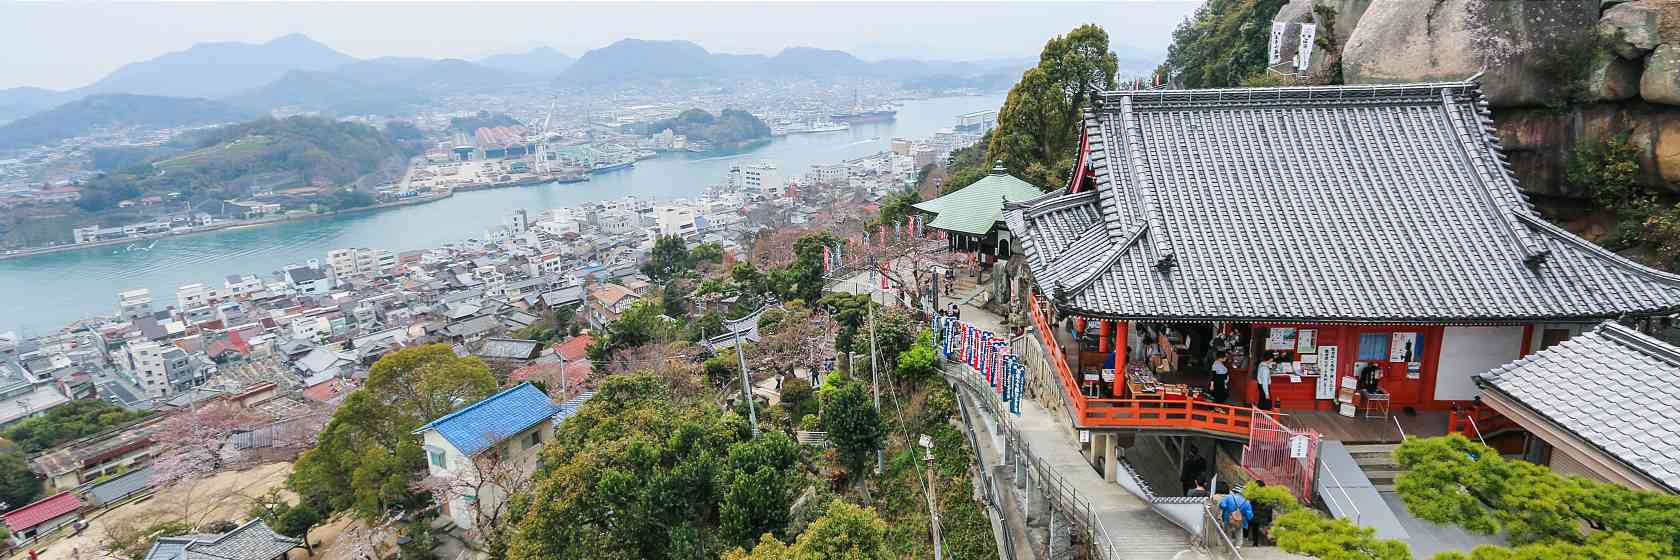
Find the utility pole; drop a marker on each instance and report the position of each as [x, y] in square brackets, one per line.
[875, 379]
[933, 499]
[746, 387]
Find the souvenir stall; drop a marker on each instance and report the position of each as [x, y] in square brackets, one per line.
[1354, 370]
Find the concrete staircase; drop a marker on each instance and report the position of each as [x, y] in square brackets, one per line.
[1377, 461]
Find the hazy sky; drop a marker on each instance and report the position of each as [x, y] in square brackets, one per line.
[66, 45]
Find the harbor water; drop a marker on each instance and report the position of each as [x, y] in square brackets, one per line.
[42, 293]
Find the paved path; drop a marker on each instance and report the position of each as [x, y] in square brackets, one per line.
[1134, 529]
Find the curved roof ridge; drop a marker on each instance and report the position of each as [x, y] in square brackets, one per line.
[1419, 91]
[1644, 344]
[1105, 260]
[1553, 231]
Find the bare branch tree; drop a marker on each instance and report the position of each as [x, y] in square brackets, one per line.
[488, 481]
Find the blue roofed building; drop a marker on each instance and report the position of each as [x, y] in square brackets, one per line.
[495, 439]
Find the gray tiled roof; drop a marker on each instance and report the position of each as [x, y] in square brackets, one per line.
[1353, 203]
[251, 541]
[121, 487]
[1612, 387]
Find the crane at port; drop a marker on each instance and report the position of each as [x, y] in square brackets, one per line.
[543, 165]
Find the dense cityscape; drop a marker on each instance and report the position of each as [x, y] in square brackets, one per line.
[1293, 279]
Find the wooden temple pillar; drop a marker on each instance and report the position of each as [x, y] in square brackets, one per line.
[1102, 341]
[1120, 336]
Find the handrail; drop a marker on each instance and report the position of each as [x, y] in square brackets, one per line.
[1339, 486]
[1136, 413]
[1057, 357]
[1212, 523]
[1063, 490]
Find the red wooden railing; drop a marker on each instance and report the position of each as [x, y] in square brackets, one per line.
[1136, 413]
[1477, 421]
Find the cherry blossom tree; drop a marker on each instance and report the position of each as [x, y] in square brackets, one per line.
[193, 444]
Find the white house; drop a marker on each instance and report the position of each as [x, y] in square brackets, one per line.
[490, 440]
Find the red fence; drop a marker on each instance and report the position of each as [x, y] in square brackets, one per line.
[1477, 421]
[1137, 413]
[1281, 456]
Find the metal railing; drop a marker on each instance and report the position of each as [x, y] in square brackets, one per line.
[1065, 497]
[988, 483]
[1347, 499]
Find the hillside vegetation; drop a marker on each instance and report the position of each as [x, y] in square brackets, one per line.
[114, 111]
[232, 161]
[727, 130]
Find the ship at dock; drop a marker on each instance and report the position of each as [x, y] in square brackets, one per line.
[607, 166]
[878, 114]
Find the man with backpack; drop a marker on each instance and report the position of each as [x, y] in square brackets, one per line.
[1234, 513]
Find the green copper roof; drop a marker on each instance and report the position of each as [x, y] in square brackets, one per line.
[974, 209]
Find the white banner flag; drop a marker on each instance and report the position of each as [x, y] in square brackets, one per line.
[1276, 47]
[1303, 54]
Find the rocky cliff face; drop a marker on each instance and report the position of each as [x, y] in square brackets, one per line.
[1557, 72]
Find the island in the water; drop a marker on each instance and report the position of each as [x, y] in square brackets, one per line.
[728, 131]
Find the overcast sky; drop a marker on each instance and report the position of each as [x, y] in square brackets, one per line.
[67, 45]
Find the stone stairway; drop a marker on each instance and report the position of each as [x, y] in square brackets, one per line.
[1377, 461]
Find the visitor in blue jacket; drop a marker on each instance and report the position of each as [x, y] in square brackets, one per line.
[1235, 525]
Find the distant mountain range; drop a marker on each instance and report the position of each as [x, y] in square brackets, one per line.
[296, 71]
[116, 110]
[541, 61]
[380, 85]
[631, 60]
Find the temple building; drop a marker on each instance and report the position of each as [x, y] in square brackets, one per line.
[1368, 242]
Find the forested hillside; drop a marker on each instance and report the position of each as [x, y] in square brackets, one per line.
[114, 111]
[727, 130]
[230, 162]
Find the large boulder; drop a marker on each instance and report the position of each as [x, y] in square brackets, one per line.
[1613, 78]
[1538, 142]
[1521, 46]
[1345, 17]
[1635, 28]
[1295, 11]
[1660, 82]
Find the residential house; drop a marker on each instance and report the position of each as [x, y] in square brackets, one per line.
[308, 280]
[24, 395]
[241, 286]
[473, 329]
[508, 428]
[41, 517]
[504, 355]
[606, 302]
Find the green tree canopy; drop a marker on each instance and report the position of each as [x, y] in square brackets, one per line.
[1038, 127]
[1224, 43]
[669, 258]
[18, 485]
[642, 472]
[853, 426]
[73, 420]
[844, 532]
[367, 455]
[1454, 480]
[917, 363]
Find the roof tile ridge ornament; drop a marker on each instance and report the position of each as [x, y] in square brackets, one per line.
[1161, 246]
[998, 168]
[1641, 342]
[1476, 147]
[1629, 266]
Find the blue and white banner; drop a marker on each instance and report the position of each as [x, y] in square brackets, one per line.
[987, 356]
